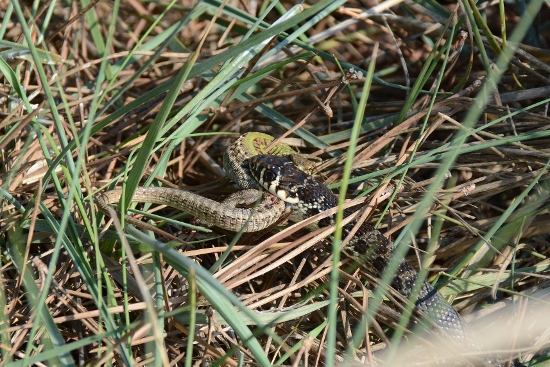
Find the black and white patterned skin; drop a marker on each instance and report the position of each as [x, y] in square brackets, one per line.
[308, 197]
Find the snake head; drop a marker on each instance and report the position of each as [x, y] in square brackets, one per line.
[279, 176]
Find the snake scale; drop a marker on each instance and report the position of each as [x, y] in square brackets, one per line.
[247, 165]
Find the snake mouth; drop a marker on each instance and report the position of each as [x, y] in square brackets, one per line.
[270, 171]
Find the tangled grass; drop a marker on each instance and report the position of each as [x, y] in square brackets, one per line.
[451, 121]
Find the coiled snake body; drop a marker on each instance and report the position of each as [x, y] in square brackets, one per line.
[247, 165]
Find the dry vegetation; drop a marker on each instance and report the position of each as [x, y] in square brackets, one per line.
[151, 93]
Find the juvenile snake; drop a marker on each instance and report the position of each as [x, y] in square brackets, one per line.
[226, 215]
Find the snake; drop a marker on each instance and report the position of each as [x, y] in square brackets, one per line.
[228, 214]
[252, 166]
[307, 197]
[368, 247]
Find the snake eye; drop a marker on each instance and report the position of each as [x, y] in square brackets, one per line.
[269, 176]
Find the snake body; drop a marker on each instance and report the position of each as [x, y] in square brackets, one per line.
[249, 164]
[224, 215]
[368, 247]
